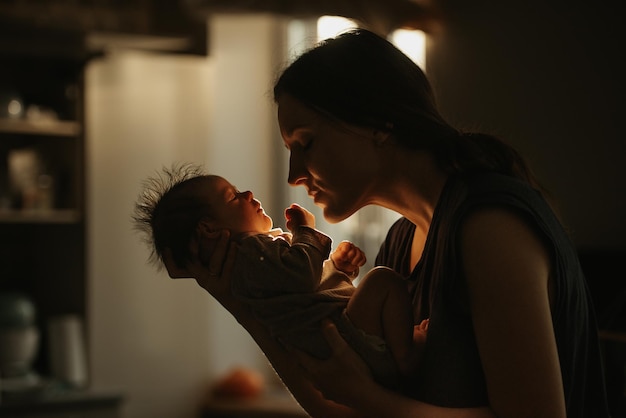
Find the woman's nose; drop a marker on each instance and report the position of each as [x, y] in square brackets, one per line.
[248, 195]
[297, 173]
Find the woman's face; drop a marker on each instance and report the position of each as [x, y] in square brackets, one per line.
[334, 161]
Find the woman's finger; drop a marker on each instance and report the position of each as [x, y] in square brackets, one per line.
[314, 366]
[229, 262]
[306, 362]
[332, 336]
[217, 257]
[173, 270]
[338, 376]
[218, 273]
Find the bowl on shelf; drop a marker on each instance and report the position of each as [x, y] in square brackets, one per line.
[19, 338]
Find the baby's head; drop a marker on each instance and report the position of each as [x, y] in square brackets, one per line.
[175, 203]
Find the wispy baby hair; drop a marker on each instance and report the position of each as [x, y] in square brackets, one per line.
[168, 210]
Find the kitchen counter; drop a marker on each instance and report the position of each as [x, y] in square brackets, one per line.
[60, 403]
[274, 404]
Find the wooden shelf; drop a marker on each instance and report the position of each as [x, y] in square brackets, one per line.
[50, 216]
[50, 128]
[42, 222]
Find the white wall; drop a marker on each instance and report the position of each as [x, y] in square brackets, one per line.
[160, 341]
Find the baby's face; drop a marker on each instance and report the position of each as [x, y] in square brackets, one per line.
[236, 211]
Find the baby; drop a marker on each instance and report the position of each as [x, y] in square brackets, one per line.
[288, 279]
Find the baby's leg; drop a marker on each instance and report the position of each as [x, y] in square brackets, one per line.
[381, 305]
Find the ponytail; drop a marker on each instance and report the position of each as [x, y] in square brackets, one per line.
[478, 152]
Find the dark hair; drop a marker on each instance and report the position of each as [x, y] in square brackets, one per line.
[362, 79]
[168, 211]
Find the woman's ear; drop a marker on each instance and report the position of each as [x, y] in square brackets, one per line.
[382, 135]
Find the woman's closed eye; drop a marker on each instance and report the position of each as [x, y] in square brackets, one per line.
[303, 144]
[301, 138]
[306, 140]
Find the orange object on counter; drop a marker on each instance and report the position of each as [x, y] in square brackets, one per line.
[240, 382]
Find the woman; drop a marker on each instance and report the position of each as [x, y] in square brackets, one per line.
[511, 328]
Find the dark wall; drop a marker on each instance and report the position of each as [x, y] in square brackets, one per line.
[549, 76]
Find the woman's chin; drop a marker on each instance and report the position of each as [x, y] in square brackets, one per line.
[333, 216]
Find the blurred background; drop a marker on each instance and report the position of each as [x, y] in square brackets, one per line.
[97, 95]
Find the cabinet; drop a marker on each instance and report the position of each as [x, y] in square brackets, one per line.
[42, 182]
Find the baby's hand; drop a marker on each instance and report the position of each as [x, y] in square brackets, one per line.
[348, 258]
[297, 216]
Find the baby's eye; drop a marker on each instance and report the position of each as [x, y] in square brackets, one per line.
[231, 196]
[236, 194]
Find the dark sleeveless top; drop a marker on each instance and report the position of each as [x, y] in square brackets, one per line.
[451, 374]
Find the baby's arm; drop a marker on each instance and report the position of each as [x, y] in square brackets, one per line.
[348, 258]
[295, 265]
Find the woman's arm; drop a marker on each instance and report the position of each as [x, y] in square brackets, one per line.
[292, 374]
[217, 283]
[346, 379]
[507, 269]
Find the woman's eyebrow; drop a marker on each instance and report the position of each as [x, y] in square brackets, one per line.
[294, 130]
[298, 130]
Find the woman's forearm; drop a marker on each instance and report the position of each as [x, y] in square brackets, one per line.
[283, 362]
[286, 366]
[379, 402]
[371, 399]
[346, 379]
[354, 387]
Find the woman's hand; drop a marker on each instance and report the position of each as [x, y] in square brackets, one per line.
[346, 380]
[342, 378]
[213, 258]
